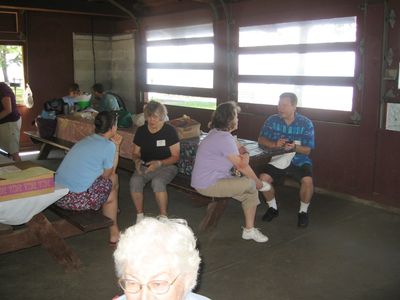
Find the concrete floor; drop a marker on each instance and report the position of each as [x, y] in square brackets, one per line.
[349, 251]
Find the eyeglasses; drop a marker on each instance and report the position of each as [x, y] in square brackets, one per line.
[158, 287]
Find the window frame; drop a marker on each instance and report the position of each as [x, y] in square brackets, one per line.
[24, 62]
[17, 38]
[179, 90]
[315, 114]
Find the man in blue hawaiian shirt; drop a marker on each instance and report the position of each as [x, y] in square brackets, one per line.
[295, 132]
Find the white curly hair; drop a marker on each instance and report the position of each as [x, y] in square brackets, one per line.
[170, 240]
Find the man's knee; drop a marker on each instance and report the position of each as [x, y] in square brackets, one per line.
[307, 181]
[265, 177]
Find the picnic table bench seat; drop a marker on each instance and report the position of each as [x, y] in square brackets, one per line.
[86, 220]
[48, 143]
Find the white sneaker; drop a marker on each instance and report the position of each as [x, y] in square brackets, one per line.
[265, 186]
[162, 218]
[254, 234]
[139, 217]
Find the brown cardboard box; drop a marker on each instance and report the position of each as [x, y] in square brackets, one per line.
[31, 180]
[186, 127]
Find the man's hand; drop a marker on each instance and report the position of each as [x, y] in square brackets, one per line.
[290, 145]
[280, 143]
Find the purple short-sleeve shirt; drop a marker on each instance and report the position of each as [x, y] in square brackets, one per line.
[212, 163]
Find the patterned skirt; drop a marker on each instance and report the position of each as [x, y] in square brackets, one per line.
[93, 198]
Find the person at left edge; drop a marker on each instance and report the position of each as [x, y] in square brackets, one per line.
[10, 122]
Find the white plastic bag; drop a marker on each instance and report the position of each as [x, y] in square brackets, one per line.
[28, 97]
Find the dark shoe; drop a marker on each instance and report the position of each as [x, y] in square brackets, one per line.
[303, 219]
[270, 214]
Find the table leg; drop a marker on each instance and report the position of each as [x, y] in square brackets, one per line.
[44, 151]
[53, 242]
[215, 209]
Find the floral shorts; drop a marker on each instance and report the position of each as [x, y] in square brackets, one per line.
[93, 198]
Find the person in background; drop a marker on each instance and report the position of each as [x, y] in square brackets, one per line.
[88, 171]
[158, 259]
[73, 93]
[10, 122]
[295, 132]
[155, 152]
[102, 101]
[73, 90]
[215, 157]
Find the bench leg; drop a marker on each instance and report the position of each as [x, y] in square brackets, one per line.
[215, 209]
[44, 151]
[53, 242]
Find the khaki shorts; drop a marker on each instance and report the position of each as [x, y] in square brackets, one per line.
[242, 189]
[9, 136]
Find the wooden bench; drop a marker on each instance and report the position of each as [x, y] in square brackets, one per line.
[215, 206]
[48, 144]
[87, 220]
[40, 231]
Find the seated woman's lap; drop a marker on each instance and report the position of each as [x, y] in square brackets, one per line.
[95, 196]
[159, 179]
[242, 189]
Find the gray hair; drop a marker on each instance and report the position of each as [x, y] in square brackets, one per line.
[292, 97]
[171, 240]
[154, 107]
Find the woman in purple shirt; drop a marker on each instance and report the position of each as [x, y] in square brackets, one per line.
[10, 122]
[215, 157]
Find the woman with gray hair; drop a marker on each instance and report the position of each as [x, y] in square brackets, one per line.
[158, 259]
[155, 151]
[218, 152]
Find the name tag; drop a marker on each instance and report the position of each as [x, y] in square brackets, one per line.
[160, 143]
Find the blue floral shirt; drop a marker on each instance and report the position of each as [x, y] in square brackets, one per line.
[301, 129]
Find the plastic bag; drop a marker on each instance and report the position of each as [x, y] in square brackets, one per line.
[28, 96]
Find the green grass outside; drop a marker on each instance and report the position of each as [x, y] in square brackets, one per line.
[193, 104]
[19, 94]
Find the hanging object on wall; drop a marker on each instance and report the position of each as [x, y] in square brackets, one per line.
[28, 96]
[393, 116]
[392, 18]
[355, 117]
[389, 57]
[390, 94]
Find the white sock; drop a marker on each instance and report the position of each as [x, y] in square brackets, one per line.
[139, 217]
[303, 207]
[272, 203]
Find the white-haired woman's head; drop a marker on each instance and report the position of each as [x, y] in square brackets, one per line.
[154, 250]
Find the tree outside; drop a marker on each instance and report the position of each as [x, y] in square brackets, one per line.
[12, 69]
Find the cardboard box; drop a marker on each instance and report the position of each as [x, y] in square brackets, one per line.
[186, 127]
[29, 180]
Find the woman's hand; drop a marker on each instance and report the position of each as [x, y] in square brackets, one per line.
[138, 165]
[153, 165]
[243, 150]
[117, 139]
